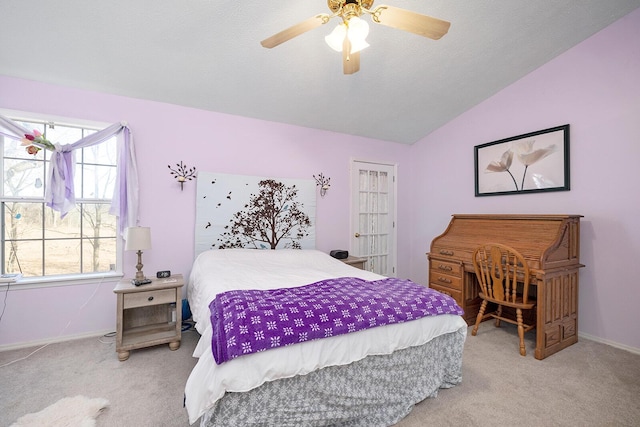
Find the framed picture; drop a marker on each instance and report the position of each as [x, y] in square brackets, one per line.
[529, 163]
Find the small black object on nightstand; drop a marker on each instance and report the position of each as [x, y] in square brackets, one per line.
[163, 274]
[140, 282]
[339, 254]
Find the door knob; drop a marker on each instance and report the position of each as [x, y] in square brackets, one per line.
[357, 234]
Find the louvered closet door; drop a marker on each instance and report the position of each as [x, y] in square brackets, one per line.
[373, 216]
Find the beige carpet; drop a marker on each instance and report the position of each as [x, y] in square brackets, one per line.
[587, 384]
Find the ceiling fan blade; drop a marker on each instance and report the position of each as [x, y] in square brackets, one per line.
[412, 22]
[295, 30]
[350, 61]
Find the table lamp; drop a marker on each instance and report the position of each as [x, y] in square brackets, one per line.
[138, 239]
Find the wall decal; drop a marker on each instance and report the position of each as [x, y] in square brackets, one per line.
[234, 211]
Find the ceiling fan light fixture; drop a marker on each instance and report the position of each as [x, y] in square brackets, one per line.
[336, 37]
[349, 37]
[356, 29]
[358, 45]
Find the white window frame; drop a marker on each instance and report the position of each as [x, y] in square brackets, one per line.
[76, 278]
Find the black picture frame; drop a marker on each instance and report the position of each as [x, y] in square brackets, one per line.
[530, 163]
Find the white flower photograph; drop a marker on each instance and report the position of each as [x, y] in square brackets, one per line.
[533, 162]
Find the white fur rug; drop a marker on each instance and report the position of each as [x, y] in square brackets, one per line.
[78, 411]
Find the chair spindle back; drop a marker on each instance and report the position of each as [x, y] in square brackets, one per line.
[499, 269]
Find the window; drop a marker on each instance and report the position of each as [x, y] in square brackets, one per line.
[36, 241]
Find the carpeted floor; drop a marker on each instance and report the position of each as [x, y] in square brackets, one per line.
[587, 384]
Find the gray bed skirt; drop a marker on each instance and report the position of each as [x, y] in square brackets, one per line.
[375, 391]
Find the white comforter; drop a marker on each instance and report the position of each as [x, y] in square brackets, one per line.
[217, 271]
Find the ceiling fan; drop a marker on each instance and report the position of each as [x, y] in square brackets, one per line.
[349, 36]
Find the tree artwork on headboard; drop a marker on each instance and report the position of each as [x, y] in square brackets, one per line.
[271, 217]
[238, 211]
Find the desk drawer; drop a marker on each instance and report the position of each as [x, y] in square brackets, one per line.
[150, 297]
[446, 280]
[439, 266]
[446, 252]
[456, 295]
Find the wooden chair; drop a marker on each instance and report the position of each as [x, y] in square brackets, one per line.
[503, 274]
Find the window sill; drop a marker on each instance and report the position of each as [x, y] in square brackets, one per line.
[57, 281]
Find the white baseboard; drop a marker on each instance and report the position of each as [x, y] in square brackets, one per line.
[611, 343]
[48, 341]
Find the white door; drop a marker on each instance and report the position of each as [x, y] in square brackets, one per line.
[373, 210]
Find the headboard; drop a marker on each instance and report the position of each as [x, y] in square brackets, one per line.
[238, 211]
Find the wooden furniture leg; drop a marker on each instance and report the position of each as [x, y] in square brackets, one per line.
[498, 313]
[523, 350]
[483, 307]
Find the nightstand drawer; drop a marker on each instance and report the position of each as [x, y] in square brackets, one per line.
[356, 262]
[147, 298]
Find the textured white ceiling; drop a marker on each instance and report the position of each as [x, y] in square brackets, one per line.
[207, 54]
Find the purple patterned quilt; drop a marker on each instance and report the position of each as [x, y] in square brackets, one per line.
[249, 321]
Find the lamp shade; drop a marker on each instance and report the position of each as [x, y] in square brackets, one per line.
[357, 30]
[137, 238]
[335, 39]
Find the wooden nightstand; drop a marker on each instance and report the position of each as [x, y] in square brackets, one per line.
[355, 262]
[148, 314]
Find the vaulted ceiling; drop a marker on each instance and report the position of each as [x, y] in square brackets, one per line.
[206, 54]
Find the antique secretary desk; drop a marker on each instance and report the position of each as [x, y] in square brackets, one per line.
[551, 246]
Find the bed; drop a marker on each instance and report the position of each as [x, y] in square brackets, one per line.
[368, 377]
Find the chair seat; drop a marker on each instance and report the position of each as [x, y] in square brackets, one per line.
[517, 304]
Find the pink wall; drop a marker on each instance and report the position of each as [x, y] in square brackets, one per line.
[166, 134]
[595, 87]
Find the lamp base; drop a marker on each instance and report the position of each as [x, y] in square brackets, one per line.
[139, 274]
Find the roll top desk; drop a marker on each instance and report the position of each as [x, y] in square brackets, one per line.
[551, 246]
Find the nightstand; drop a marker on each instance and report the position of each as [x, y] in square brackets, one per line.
[354, 261]
[148, 314]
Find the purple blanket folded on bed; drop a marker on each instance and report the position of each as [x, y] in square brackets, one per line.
[249, 321]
